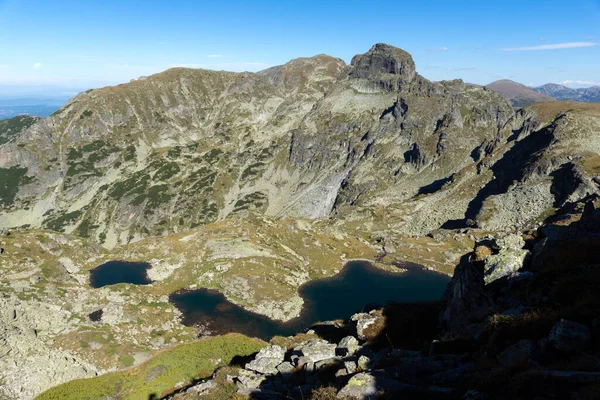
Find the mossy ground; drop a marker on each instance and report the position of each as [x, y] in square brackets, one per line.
[173, 367]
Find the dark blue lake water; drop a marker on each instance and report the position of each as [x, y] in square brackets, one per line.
[114, 272]
[356, 286]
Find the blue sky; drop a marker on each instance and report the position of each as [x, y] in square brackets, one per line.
[65, 46]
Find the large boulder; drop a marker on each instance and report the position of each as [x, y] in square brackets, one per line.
[347, 346]
[267, 360]
[316, 350]
[518, 354]
[508, 259]
[383, 59]
[364, 321]
[569, 336]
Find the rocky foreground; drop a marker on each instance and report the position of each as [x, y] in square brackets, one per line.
[515, 322]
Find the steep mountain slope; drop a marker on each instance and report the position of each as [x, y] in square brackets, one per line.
[312, 139]
[13, 126]
[253, 184]
[188, 147]
[517, 94]
[560, 92]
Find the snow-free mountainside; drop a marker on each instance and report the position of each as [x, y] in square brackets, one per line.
[254, 184]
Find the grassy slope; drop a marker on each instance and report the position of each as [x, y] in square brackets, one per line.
[171, 368]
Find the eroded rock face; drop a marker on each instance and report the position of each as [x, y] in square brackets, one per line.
[466, 296]
[383, 59]
[28, 363]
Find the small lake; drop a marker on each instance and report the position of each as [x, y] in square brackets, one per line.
[357, 286]
[114, 272]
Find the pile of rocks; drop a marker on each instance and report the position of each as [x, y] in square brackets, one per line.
[358, 371]
[353, 367]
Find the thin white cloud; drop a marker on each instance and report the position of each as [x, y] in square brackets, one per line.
[215, 56]
[556, 46]
[578, 82]
[438, 49]
[4, 66]
[590, 37]
[37, 65]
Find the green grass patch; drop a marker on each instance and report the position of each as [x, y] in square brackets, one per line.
[126, 360]
[158, 376]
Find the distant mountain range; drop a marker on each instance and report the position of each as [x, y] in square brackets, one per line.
[35, 106]
[520, 95]
[560, 92]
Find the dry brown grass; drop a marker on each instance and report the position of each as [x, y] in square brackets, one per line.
[549, 111]
[503, 330]
[290, 342]
[324, 393]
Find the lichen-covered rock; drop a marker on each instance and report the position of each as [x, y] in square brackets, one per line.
[285, 368]
[267, 360]
[347, 346]
[316, 350]
[509, 258]
[249, 380]
[366, 386]
[363, 322]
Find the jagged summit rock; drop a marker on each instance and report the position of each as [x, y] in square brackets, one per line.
[383, 59]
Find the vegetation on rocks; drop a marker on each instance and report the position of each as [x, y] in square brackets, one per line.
[177, 365]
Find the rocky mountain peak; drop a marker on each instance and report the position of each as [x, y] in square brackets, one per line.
[383, 59]
[297, 73]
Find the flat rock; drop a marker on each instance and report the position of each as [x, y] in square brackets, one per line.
[267, 360]
[316, 350]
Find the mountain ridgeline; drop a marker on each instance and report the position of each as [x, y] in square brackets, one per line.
[560, 92]
[372, 142]
[520, 95]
